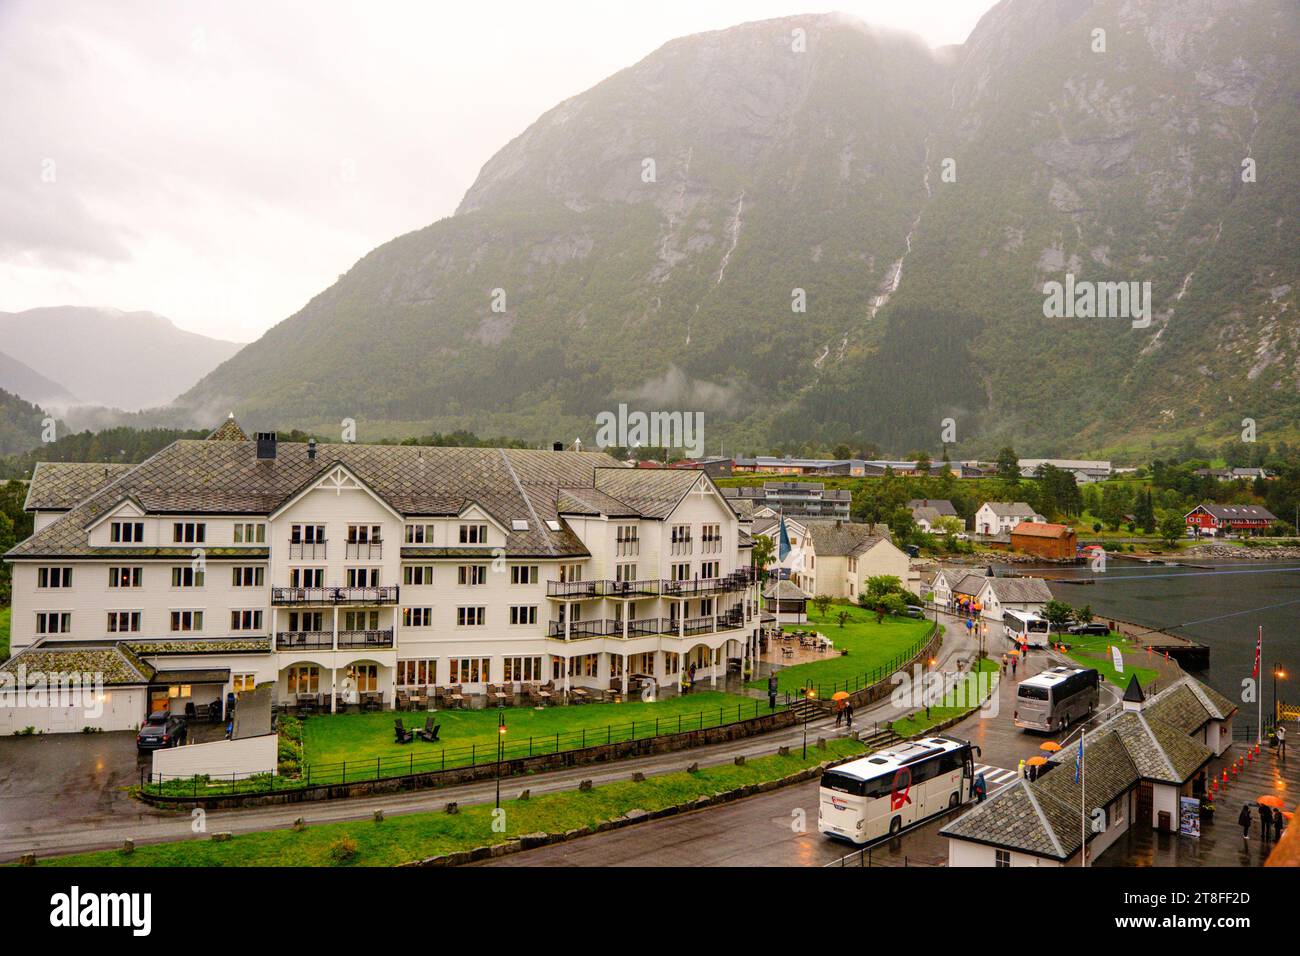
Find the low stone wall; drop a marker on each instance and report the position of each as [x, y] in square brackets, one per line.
[530, 841]
[604, 753]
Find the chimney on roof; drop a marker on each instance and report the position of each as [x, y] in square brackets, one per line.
[266, 443]
[557, 446]
[311, 449]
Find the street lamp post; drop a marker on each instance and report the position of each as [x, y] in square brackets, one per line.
[1277, 672]
[501, 741]
[808, 695]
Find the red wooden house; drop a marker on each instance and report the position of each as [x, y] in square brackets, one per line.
[1221, 519]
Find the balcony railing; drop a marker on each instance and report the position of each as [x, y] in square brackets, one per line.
[331, 596]
[583, 590]
[649, 626]
[308, 550]
[353, 639]
[632, 589]
[365, 550]
[574, 589]
[304, 640]
[579, 629]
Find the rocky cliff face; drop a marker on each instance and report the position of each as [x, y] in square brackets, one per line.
[652, 240]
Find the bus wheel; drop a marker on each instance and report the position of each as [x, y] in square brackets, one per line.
[895, 825]
[953, 801]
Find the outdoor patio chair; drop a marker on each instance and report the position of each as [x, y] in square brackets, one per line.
[430, 732]
[403, 735]
[403, 700]
[420, 700]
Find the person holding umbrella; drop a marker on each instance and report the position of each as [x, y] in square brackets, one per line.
[1245, 818]
[841, 701]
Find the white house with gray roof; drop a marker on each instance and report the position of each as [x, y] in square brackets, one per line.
[348, 572]
[997, 517]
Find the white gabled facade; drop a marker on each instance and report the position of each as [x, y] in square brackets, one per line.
[332, 591]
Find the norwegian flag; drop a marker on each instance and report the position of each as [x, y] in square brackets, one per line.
[1259, 641]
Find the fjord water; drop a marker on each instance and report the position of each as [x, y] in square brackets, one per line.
[1221, 604]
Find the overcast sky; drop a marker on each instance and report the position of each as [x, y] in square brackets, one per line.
[222, 161]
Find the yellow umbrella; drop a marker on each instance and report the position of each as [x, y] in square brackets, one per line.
[1269, 800]
[840, 695]
[1051, 746]
[1036, 761]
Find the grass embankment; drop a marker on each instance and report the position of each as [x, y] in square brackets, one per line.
[1094, 651]
[401, 839]
[338, 748]
[962, 699]
[871, 647]
[5, 614]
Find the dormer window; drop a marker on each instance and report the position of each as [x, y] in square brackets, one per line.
[473, 534]
[127, 532]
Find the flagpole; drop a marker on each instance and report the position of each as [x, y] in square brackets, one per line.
[1083, 816]
[1259, 694]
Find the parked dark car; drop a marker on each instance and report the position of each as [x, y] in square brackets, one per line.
[1101, 630]
[161, 729]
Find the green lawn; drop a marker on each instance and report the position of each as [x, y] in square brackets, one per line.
[361, 738]
[872, 648]
[401, 839]
[1094, 651]
[5, 613]
[959, 701]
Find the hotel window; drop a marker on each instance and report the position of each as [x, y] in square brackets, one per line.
[523, 574]
[241, 683]
[306, 577]
[682, 571]
[250, 533]
[189, 532]
[360, 620]
[306, 533]
[365, 677]
[522, 668]
[187, 577]
[523, 614]
[570, 573]
[417, 617]
[706, 607]
[245, 620]
[709, 569]
[681, 539]
[1002, 858]
[303, 679]
[711, 538]
[54, 577]
[473, 534]
[306, 621]
[626, 539]
[417, 574]
[125, 577]
[419, 534]
[250, 577]
[362, 577]
[123, 622]
[625, 573]
[186, 621]
[469, 670]
[471, 574]
[363, 533]
[417, 673]
[470, 616]
[127, 532]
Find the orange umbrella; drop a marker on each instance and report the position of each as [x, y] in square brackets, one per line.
[1269, 800]
[1288, 814]
[840, 695]
[1036, 761]
[1051, 746]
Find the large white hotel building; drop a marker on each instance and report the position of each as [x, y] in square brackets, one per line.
[221, 564]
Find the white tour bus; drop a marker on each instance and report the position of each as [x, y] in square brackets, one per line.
[894, 788]
[1026, 627]
[1056, 698]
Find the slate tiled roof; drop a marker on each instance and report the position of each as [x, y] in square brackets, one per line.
[1020, 590]
[1239, 512]
[1009, 509]
[226, 477]
[941, 505]
[115, 661]
[785, 590]
[61, 485]
[200, 645]
[228, 430]
[1015, 819]
[843, 538]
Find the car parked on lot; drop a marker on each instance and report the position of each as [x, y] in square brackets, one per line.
[914, 610]
[1101, 630]
[161, 729]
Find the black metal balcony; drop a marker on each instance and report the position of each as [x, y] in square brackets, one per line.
[581, 629]
[304, 640]
[376, 639]
[632, 589]
[365, 550]
[316, 597]
[308, 550]
[576, 590]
